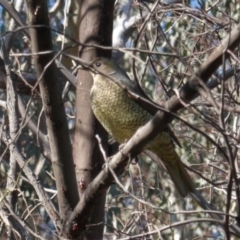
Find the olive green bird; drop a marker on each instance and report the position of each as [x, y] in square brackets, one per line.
[121, 116]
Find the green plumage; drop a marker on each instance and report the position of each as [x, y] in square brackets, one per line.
[121, 117]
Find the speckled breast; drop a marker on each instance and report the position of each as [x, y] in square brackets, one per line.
[118, 114]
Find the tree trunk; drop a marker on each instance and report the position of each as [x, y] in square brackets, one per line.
[96, 23]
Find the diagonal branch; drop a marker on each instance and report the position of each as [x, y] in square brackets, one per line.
[143, 135]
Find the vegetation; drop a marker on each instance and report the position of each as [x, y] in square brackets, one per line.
[62, 175]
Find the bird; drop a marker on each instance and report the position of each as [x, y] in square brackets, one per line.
[121, 116]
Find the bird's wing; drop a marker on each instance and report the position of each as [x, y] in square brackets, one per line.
[152, 109]
[148, 106]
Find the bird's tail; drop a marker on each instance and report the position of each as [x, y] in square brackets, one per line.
[180, 177]
[163, 147]
[183, 181]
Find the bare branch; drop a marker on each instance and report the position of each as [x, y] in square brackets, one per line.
[58, 134]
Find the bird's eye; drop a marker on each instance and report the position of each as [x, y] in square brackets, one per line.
[98, 64]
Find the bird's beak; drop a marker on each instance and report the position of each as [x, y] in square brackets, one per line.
[93, 74]
[83, 67]
[89, 69]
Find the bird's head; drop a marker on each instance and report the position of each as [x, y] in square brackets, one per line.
[108, 68]
[103, 66]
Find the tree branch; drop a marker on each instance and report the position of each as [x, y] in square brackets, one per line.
[143, 135]
[59, 140]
